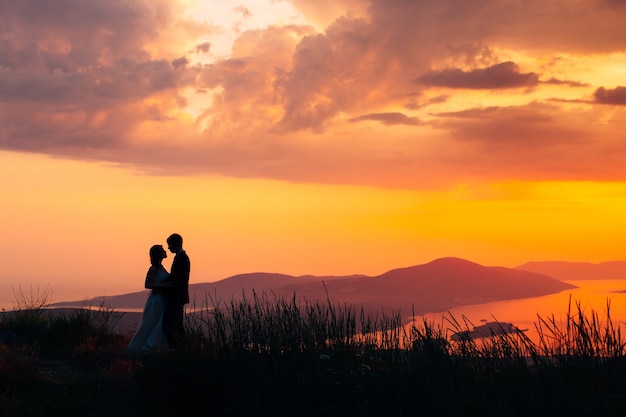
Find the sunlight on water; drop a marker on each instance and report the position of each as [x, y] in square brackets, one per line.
[592, 295]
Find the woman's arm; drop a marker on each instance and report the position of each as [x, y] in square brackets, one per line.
[155, 285]
[151, 280]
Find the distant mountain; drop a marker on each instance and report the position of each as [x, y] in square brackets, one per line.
[441, 285]
[433, 287]
[565, 271]
[203, 294]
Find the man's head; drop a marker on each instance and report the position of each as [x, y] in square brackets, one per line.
[175, 243]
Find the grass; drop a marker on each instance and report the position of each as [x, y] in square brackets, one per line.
[270, 356]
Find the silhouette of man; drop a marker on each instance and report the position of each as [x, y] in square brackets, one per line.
[178, 294]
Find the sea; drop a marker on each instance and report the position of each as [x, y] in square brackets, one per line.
[604, 298]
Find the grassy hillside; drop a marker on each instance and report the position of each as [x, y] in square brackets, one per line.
[278, 357]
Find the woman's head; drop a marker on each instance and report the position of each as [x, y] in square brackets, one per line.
[157, 254]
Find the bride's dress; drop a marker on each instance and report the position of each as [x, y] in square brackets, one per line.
[150, 336]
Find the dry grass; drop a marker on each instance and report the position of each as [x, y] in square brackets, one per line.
[265, 355]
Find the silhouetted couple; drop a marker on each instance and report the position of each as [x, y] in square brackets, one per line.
[163, 315]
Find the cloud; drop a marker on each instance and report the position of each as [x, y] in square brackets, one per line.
[616, 96]
[244, 11]
[514, 128]
[614, 3]
[135, 83]
[535, 142]
[388, 119]
[330, 73]
[204, 47]
[71, 34]
[324, 12]
[413, 105]
[555, 81]
[504, 75]
[82, 76]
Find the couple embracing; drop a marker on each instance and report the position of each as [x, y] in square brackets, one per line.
[162, 321]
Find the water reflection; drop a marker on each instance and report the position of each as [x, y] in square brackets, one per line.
[591, 295]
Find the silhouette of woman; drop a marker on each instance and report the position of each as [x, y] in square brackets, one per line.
[150, 335]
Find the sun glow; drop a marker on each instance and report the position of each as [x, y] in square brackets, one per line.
[326, 137]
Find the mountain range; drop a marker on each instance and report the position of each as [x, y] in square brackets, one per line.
[570, 271]
[436, 286]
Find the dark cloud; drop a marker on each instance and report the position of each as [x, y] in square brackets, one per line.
[615, 96]
[473, 54]
[78, 76]
[434, 100]
[204, 47]
[388, 119]
[180, 62]
[614, 3]
[504, 75]
[533, 25]
[514, 127]
[534, 142]
[72, 34]
[555, 81]
[121, 81]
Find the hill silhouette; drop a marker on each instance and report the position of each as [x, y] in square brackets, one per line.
[566, 271]
[433, 287]
[439, 286]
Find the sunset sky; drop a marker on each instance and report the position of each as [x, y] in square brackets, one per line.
[324, 137]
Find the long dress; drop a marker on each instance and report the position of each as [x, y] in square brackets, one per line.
[150, 336]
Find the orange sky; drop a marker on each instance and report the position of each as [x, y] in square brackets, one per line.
[307, 137]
